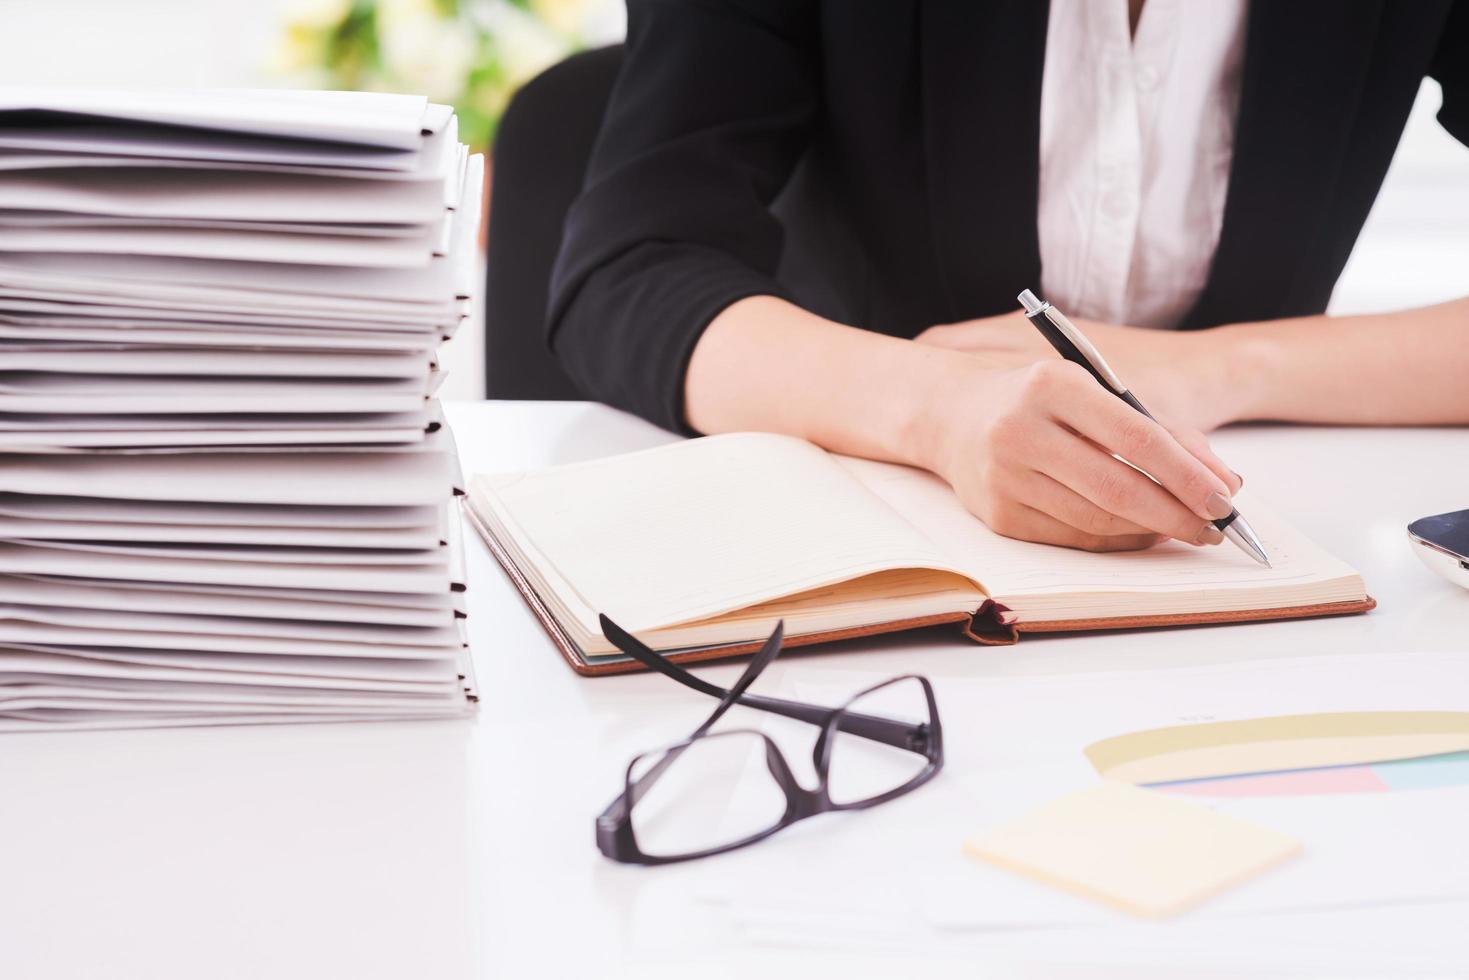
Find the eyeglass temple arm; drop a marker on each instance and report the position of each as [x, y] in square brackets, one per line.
[760, 661]
[885, 730]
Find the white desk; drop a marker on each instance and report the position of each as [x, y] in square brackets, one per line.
[448, 850]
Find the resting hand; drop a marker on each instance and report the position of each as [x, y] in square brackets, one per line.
[1179, 375]
[1030, 451]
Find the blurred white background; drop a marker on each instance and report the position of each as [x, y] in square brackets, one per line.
[1414, 250]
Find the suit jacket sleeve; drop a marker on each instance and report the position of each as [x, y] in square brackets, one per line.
[709, 116]
[1451, 68]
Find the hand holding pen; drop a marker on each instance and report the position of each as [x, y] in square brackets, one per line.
[1072, 345]
[1035, 450]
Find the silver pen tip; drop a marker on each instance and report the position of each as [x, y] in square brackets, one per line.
[1032, 303]
[1244, 538]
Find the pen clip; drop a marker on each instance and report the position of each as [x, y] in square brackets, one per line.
[1034, 307]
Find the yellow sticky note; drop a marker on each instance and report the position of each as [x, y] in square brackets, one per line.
[1145, 852]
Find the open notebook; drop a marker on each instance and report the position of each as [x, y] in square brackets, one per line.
[699, 547]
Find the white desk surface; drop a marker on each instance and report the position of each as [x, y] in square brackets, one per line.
[464, 849]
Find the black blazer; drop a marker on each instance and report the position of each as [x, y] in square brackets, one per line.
[876, 162]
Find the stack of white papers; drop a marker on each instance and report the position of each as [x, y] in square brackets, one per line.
[226, 490]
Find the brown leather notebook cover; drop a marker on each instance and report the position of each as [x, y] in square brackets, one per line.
[981, 626]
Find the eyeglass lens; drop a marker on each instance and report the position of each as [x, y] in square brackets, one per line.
[861, 769]
[717, 791]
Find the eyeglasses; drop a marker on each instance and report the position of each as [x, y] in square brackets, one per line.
[715, 792]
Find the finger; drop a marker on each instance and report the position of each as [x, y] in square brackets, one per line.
[1045, 494]
[1119, 489]
[1016, 520]
[1197, 443]
[1112, 424]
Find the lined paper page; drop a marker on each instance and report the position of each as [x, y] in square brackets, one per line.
[691, 530]
[1041, 581]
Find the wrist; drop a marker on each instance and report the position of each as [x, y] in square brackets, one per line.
[944, 395]
[1250, 362]
[1243, 362]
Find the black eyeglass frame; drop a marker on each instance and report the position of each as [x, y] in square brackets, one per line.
[616, 836]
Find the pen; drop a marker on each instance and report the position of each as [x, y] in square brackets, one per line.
[1072, 344]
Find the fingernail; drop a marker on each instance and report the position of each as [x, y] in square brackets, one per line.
[1209, 534]
[1240, 479]
[1218, 505]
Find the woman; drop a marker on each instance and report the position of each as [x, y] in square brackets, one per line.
[813, 217]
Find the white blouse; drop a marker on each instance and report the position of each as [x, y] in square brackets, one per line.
[1137, 133]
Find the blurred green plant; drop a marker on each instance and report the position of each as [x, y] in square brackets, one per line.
[472, 54]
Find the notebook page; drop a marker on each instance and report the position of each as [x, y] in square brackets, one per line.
[1042, 581]
[695, 529]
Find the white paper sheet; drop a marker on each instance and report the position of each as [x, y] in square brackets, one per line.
[435, 601]
[342, 364]
[101, 145]
[424, 421]
[245, 246]
[53, 328]
[367, 118]
[170, 551]
[164, 402]
[88, 222]
[265, 603]
[320, 298]
[218, 667]
[441, 636]
[419, 442]
[78, 721]
[134, 394]
[13, 631]
[70, 508]
[211, 194]
[15, 697]
[159, 277]
[111, 145]
[329, 478]
[418, 539]
[32, 560]
[254, 665]
[198, 440]
[19, 683]
[201, 315]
